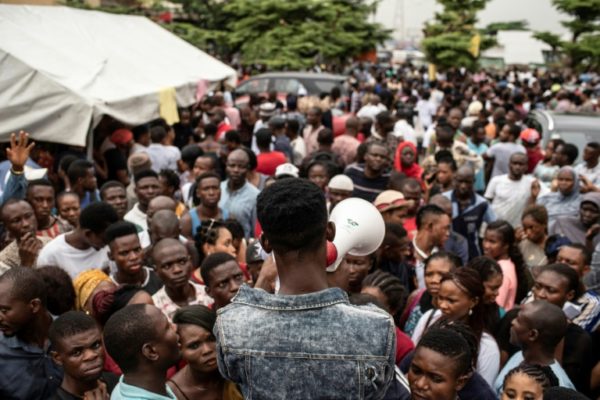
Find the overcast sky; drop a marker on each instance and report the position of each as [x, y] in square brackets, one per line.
[408, 16]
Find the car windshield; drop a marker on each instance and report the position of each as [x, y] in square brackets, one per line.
[325, 86]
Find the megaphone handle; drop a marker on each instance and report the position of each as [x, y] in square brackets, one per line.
[332, 254]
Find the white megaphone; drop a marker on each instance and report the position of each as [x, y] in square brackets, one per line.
[359, 231]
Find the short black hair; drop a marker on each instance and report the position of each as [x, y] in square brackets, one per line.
[454, 260]
[206, 175]
[210, 129]
[139, 131]
[450, 344]
[97, 217]
[62, 195]
[38, 182]
[264, 137]
[189, 154]
[427, 210]
[69, 324]
[26, 284]
[252, 160]
[125, 333]
[514, 130]
[293, 125]
[211, 262]
[585, 252]
[66, 161]
[569, 274]
[60, 293]
[292, 214]
[78, 169]
[146, 173]
[119, 229]
[157, 134]
[393, 233]
[571, 151]
[235, 228]
[593, 145]
[171, 177]
[550, 322]
[325, 136]
[233, 136]
[108, 185]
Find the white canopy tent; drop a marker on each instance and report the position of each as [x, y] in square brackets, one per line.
[62, 69]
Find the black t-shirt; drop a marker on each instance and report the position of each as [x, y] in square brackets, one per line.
[115, 161]
[109, 378]
[154, 283]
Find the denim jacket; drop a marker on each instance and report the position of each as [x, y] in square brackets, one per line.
[311, 346]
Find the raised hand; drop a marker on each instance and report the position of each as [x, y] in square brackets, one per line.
[535, 189]
[19, 151]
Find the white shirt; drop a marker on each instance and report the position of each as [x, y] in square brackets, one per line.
[370, 111]
[509, 198]
[426, 110]
[74, 261]
[488, 360]
[402, 129]
[163, 157]
[136, 216]
[592, 174]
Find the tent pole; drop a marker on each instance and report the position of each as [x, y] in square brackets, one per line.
[90, 143]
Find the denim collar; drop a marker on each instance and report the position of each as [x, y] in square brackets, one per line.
[261, 299]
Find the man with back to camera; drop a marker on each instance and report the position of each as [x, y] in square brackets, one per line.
[319, 345]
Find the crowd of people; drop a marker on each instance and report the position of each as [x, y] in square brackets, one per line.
[188, 261]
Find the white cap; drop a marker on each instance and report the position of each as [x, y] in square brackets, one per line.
[341, 182]
[286, 169]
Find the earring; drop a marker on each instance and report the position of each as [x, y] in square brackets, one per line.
[470, 311]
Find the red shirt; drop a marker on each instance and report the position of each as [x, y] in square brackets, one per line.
[534, 156]
[404, 345]
[268, 162]
[221, 129]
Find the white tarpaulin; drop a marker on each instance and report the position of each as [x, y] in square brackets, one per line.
[62, 68]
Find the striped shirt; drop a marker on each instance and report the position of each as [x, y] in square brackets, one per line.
[366, 188]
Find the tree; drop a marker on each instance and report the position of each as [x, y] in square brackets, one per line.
[295, 34]
[582, 50]
[493, 28]
[449, 39]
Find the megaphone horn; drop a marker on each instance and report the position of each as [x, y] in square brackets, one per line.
[359, 231]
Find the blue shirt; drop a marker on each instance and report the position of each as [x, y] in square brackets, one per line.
[517, 358]
[478, 149]
[124, 391]
[26, 371]
[468, 221]
[240, 204]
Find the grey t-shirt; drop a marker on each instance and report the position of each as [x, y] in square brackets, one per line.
[501, 153]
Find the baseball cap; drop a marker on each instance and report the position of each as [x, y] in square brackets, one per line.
[389, 200]
[341, 182]
[266, 109]
[286, 169]
[530, 135]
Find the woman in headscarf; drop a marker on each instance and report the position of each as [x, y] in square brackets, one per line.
[405, 161]
[200, 378]
[566, 200]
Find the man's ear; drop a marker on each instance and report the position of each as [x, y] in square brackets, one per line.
[264, 242]
[570, 295]
[149, 352]
[35, 305]
[56, 358]
[533, 335]
[462, 381]
[330, 231]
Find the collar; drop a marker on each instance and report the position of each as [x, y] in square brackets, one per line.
[261, 299]
[136, 392]
[420, 252]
